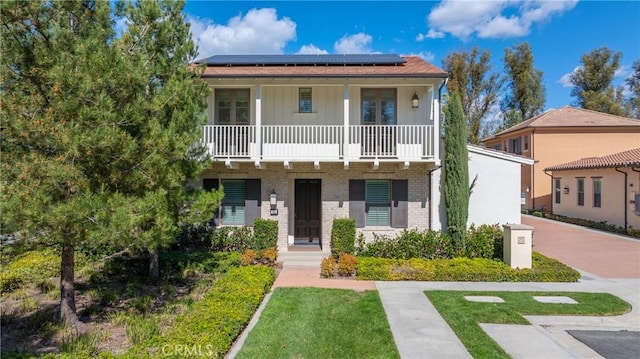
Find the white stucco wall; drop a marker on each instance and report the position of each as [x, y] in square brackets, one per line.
[496, 194]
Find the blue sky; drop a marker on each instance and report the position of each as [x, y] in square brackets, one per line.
[559, 32]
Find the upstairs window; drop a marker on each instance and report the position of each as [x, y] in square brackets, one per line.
[526, 142]
[516, 146]
[378, 106]
[304, 100]
[232, 106]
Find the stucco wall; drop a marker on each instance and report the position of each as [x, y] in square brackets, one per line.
[613, 190]
[551, 146]
[496, 194]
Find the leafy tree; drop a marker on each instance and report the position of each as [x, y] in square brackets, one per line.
[592, 82]
[633, 84]
[526, 92]
[478, 88]
[99, 133]
[456, 171]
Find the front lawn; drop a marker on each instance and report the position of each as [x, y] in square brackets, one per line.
[463, 316]
[321, 323]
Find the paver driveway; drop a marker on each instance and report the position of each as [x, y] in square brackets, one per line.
[596, 252]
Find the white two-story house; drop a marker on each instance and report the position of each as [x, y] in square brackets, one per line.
[304, 139]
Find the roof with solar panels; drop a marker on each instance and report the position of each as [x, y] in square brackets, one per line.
[325, 65]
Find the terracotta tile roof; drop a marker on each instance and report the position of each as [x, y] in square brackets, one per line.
[572, 117]
[629, 158]
[414, 66]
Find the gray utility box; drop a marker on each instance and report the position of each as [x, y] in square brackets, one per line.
[517, 245]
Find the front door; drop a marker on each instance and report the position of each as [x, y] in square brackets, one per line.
[307, 212]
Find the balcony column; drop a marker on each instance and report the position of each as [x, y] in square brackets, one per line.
[257, 156]
[435, 141]
[345, 115]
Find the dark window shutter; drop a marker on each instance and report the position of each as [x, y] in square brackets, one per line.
[210, 184]
[356, 202]
[252, 203]
[399, 203]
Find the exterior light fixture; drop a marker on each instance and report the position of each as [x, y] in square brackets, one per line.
[566, 190]
[415, 101]
[273, 201]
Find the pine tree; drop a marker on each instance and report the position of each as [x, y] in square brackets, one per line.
[99, 133]
[456, 172]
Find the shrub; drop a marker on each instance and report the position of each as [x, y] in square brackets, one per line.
[328, 267]
[265, 234]
[346, 264]
[248, 257]
[343, 236]
[481, 241]
[232, 239]
[537, 214]
[194, 237]
[215, 321]
[544, 269]
[408, 244]
[269, 256]
[29, 267]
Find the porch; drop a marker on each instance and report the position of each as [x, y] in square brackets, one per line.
[327, 143]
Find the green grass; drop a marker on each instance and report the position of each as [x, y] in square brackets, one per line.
[321, 323]
[463, 316]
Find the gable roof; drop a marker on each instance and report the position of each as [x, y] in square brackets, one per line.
[630, 158]
[500, 154]
[319, 66]
[572, 117]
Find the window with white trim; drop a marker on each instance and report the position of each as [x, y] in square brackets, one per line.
[580, 191]
[304, 100]
[597, 192]
[232, 106]
[378, 106]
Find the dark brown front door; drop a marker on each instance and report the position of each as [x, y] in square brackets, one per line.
[307, 211]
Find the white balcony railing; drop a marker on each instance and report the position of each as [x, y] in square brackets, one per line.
[319, 142]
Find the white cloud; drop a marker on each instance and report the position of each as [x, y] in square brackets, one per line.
[359, 43]
[260, 31]
[486, 19]
[311, 49]
[420, 37]
[565, 80]
[623, 71]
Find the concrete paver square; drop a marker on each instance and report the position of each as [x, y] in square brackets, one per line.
[484, 298]
[525, 341]
[555, 299]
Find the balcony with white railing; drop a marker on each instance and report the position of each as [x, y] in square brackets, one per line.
[330, 143]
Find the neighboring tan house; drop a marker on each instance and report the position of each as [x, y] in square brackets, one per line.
[605, 188]
[304, 139]
[559, 136]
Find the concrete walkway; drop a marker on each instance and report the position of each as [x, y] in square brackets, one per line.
[608, 263]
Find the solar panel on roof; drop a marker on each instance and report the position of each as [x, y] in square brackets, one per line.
[354, 59]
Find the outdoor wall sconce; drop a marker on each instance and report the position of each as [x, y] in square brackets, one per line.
[566, 190]
[415, 101]
[273, 201]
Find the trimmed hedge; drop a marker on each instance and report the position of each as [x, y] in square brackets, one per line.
[484, 241]
[544, 269]
[210, 325]
[343, 236]
[265, 234]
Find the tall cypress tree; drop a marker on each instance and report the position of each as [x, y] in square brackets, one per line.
[456, 171]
